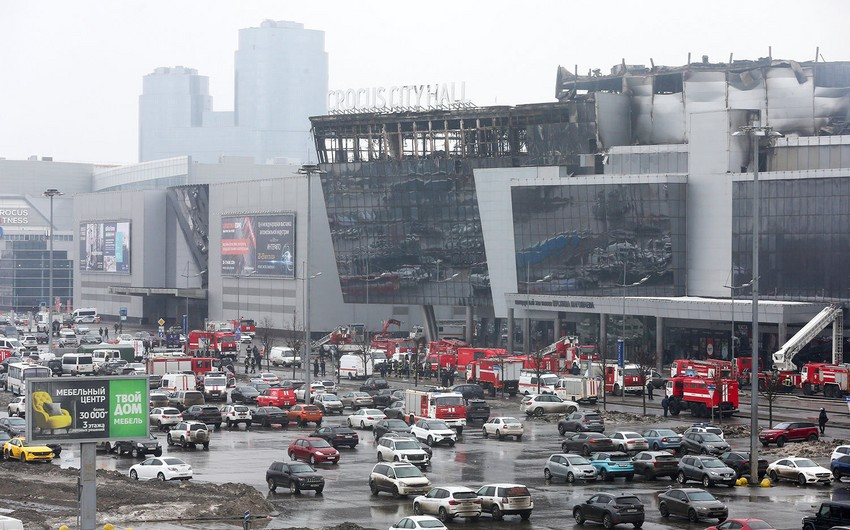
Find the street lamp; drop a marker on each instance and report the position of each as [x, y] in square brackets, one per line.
[50, 192]
[755, 131]
[732, 289]
[309, 170]
[186, 322]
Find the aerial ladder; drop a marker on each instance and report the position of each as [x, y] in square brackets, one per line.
[832, 314]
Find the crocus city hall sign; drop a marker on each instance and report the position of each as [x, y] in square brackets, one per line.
[395, 97]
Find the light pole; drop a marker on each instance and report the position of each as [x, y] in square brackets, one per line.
[732, 289]
[755, 131]
[309, 170]
[186, 323]
[50, 192]
[621, 347]
[239, 295]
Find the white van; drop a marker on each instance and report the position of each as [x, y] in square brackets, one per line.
[353, 366]
[85, 315]
[77, 364]
[175, 382]
[101, 356]
[528, 383]
[11, 344]
[284, 356]
[10, 523]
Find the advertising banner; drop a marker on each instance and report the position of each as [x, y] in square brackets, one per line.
[105, 247]
[87, 409]
[261, 243]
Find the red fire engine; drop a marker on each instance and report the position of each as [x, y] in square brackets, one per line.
[569, 349]
[217, 343]
[700, 368]
[831, 379]
[618, 380]
[702, 395]
[246, 326]
[495, 373]
[423, 404]
[467, 354]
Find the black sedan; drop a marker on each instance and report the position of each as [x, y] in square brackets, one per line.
[41, 338]
[383, 397]
[610, 510]
[296, 476]
[373, 384]
[337, 435]
[384, 426]
[740, 462]
[244, 394]
[586, 443]
[268, 416]
[693, 503]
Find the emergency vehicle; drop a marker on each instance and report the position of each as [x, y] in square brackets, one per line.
[579, 389]
[446, 406]
[467, 354]
[495, 374]
[702, 395]
[173, 365]
[246, 326]
[570, 351]
[701, 368]
[831, 379]
[215, 343]
[618, 379]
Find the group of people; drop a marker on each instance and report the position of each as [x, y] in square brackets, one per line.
[252, 359]
[104, 333]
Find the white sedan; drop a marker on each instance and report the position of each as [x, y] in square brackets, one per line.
[503, 426]
[801, 470]
[365, 418]
[417, 522]
[270, 378]
[161, 468]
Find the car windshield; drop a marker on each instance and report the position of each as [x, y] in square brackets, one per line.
[261, 386]
[170, 411]
[619, 458]
[408, 444]
[273, 410]
[434, 523]
[173, 461]
[319, 443]
[712, 463]
[449, 401]
[300, 468]
[464, 495]
[709, 437]
[666, 432]
[631, 435]
[328, 397]
[578, 461]
[408, 472]
[247, 390]
[372, 412]
[758, 525]
[782, 426]
[396, 424]
[17, 422]
[634, 501]
[805, 462]
[549, 380]
[701, 496]
[432, 425]
[593, 417]
[359, 394]
[240, 408]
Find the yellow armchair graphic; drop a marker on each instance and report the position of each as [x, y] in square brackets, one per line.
[48, 415]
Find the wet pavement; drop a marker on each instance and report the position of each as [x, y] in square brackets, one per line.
[243, 456]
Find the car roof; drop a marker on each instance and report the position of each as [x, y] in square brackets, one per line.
[455, 489]
[504, 485]
[398, 464]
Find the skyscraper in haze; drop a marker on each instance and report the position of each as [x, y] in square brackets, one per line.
[281, 79]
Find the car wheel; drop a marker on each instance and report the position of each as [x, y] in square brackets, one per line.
[525, 515]
[692, 515]
[706, 482]
[637, 524]
[773, 476]
[484, 432]
[519, 437]
[134, 475]
[272, 485]
[547, 474]
[780, 442]
[585, 450]
[109, 447]
[647, 474]
[183, 443]
[499, 435]
[607, 522]
[319, 490]
[134, 452]
[158, 452]
[417, 510]
[313, 460]
[662, 508]
[681, 479]
[801, 479]
[703, 451]
[443, 515]
[571, 409]
[578, 428]
[578, 516]
[813, 437]
[349, 423]
[206, 446]
[292, 456]
[571, 478]
[604, 474]
[23, 457]
[630, 478]
[430, 441]
[161, 477]
[362, 424]
[169, 440]
[395, 492]
[373, 487]
[293, 488]
[538, 411]
[496, 513]
[656, 446]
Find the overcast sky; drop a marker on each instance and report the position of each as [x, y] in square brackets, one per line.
[72, 70]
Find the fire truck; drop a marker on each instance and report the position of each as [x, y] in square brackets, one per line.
[579, 389]
[467, 354]
[702, 396]
[173, 365]
[701, 368]
[618, 380]
[570, 351]
[831, 379]
[495, 374]
[446, 406]
[213, 343]
[246, 327]
[783, 358]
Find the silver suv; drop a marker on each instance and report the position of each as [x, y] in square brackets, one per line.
[708, 470]
[188, 433]
[500, 500]
[398, 478]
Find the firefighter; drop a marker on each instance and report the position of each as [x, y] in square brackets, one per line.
[649, 389]
[665, 404]
[822, 419]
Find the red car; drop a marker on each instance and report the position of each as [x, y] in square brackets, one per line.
[742, 524]
[789, 431]
[313, 450]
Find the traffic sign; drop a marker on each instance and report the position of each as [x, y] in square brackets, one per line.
[161, 322]
[711, 389]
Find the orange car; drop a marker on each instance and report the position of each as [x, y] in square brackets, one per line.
[304, 414]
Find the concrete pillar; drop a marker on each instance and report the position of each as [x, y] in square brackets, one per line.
[526, 335]
[510, 344]
[469, 325]
[659, 342]
[603, 335]
[558, 331]
[783, 335]
[88, 487]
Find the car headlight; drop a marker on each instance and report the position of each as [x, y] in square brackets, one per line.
[713, 473]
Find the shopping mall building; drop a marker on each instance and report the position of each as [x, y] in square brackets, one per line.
[624, 210]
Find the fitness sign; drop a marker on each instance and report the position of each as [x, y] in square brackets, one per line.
[87, 409]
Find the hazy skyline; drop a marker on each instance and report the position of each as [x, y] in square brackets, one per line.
[73, 69]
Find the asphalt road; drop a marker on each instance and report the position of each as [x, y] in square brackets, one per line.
[243, 456]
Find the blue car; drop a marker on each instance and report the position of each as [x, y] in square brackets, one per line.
[840, 467]
[663, 439]
[613, 464]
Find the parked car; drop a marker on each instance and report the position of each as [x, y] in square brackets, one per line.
[270, 378]
[386, 425]
[268, 416]
[610, 510]
[304, 414]
[18, 449]
[188, 433]
[139, 448]
[383, 397]
[276, 397]
[705, 427]
[365, 418]
[328, 403]
[233, 415]
[541, 404]
[168, 468]
[587, 443]
[244, 394]
[396, 410]
[156, 399]
[653, 464]
[392, 449]
[801, 470]
[500, 500]
[840, 451]
[477, 409]
[373, 384]
[337, 435]
[704, 443]
[398, 478]
[316, 388]
[29, 342]
[313, 450]
[419, 522]
[663, 439]
[581, 421]
[208, 414]
[469, 390]
[503, 426]
[356, 400]
[840, 467]
[612, 464]
[789, 431]
[707, 470]
[13, 426]
[830, 514]
[742, 524]
[433, 432]
[740, 462]
[693, 503]
[569, 466]
[407, 436]
[165, 417]
[448, 502]
[18, 406]
[296, 476]
[629, 442]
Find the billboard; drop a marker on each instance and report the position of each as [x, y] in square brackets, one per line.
[87, 409]
[105, 246]
[261, 243]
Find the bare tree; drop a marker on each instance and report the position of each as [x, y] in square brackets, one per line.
[644, 361]
[293, 337]
[264, 331]
[771, 387]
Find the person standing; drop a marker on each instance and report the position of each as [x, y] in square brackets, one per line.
[665, 404]
[315, 367]
[822, 419]
[322, 366]
[649, 389]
